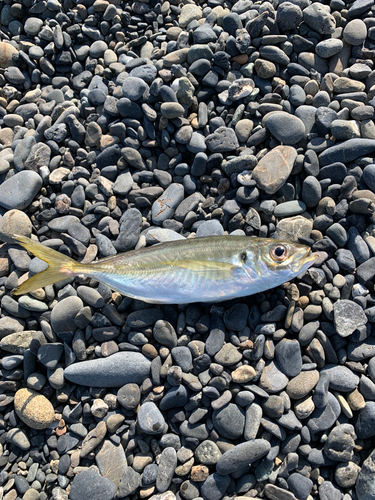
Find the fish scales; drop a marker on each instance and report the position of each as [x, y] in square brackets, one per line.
[209, 269]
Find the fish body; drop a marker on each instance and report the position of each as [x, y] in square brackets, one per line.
[207, 269]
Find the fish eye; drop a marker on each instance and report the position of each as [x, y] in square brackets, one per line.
[243, 256]
[278, 253]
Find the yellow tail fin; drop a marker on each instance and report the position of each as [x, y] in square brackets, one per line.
[60, 266]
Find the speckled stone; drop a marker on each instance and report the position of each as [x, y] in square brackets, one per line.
[34, 409]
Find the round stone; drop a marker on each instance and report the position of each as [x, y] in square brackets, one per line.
[329, 48]
[286, 128]
[90, 484]
[15, 222]
[33, 25]
[7, 54]
[64, 313]
[134, 88]
[301, 385]
[355, 32]
[34, 409]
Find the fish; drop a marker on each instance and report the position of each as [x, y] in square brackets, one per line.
[207, 269]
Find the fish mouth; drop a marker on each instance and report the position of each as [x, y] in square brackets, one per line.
[305, 261]
[310, 257]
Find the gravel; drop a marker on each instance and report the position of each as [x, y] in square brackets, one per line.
[124, 125]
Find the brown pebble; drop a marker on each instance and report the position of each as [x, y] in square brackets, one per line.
[243, 374]
[356, 401]
[149, 351]
[146, 492]
[4, 266]
[7, 52]
[199, 473]
[246, 344]
[301, 385]
[61, 429]
[241, 59]
[34, 409]
[303, 302]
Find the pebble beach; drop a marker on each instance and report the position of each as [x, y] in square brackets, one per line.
[128, 124]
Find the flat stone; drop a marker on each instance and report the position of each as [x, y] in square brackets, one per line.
[129, 483]
[19, 191]
[222, 140]
[19, 342]
[288, 356]
[229, 421]
[274, 168]
[323, 418]
[90, 484]
[18, 438]
[272, 379]
[286, 128]
[111, 461]
[114, 371]
[150, 419]
[7, 54]
[242, 455]
[348, 317]
[167, 466]
[347, 151]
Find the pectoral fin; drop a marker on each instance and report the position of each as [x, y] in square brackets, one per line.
[209, 269]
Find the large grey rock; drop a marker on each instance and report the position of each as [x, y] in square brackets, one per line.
[19, 191]
[114, 371]
[242, 455]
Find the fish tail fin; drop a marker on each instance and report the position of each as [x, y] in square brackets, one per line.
[60, 266]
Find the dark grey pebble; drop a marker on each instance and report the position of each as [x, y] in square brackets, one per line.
[49, 354]
[288, 356]
[365, 424]
[64, 313]
[229, 421]
[90, 484]
[214, 487]
[165, 334]
[242, 455]
[347, 151]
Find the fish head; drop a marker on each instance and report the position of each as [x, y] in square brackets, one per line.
[277, 260]
[281, 255]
